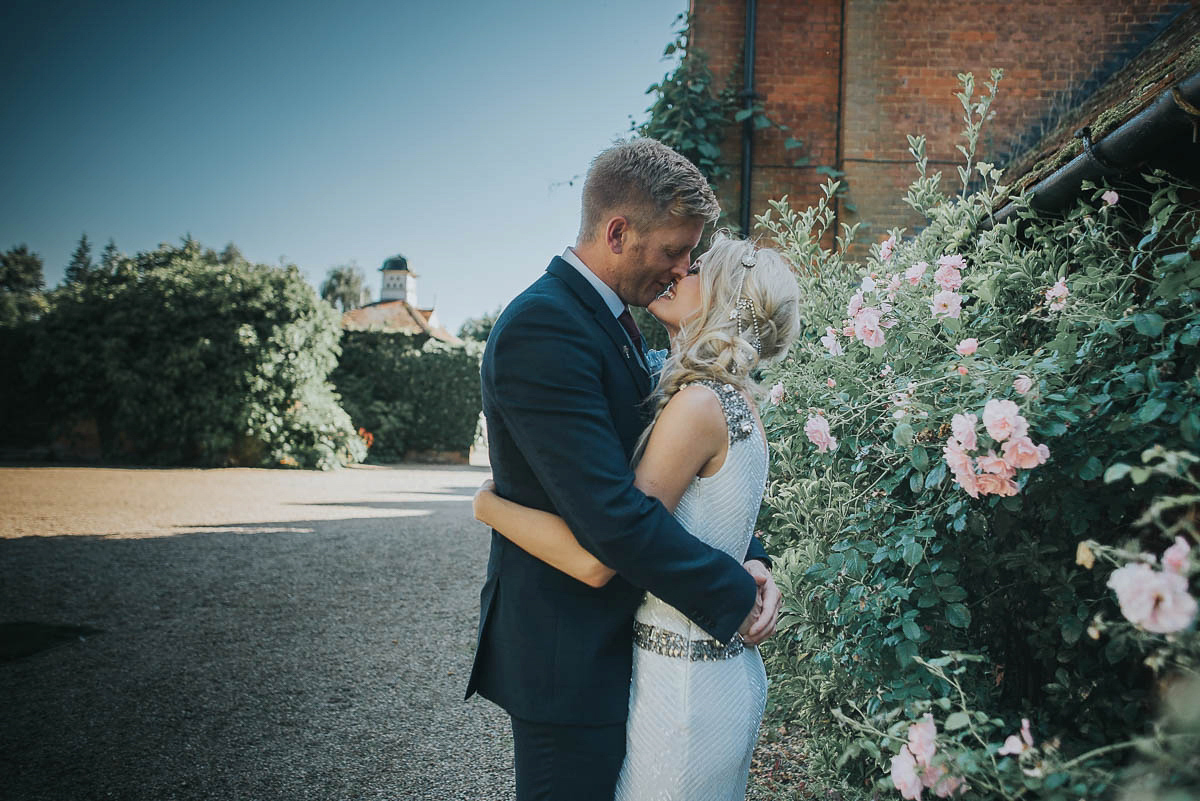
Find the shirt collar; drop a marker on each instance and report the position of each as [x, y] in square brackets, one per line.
[611, 300]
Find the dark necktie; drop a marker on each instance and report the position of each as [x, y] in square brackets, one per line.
[626, 321]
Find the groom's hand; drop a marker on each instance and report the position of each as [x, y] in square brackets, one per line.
[765, 615]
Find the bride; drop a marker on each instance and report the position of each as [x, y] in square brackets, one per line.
[695, 703]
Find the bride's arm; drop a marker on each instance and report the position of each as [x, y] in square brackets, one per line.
[689, 434]
[540, 534]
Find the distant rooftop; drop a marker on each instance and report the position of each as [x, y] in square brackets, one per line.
[396, 262]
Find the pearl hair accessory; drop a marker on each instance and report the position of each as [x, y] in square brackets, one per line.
[749, 259]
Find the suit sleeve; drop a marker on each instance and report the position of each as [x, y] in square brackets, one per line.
[546, 376]
[757, 551]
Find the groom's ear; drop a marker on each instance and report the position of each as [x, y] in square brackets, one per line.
[616, 234]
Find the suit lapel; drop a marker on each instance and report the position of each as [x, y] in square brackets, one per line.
[592, 300]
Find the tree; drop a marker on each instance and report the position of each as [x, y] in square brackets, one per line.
[21, 284]
[344, 287]
[81, 261]
[231, 255]
[110, 256]
[478, 328]
[179, 359]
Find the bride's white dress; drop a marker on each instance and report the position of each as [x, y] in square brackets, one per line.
[695, 704]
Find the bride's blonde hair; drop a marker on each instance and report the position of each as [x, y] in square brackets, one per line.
[749, 315]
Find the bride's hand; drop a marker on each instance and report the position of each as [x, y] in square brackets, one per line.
[486, 490]
[752, 618]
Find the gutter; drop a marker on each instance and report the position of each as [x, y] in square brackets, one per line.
[1174, 114]
[748, 97]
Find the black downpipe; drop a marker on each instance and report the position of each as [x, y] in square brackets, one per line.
[1172, 115]
[748, 97]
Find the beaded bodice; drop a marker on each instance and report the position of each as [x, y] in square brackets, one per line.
[720, 509]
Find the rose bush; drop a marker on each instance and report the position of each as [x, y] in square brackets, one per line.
[940, 443]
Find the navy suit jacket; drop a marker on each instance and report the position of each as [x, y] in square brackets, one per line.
[564, 397]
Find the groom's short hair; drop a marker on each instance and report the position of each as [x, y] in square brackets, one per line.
[646, 182]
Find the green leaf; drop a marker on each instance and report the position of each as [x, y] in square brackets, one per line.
[954, 594]
[1151, 410]
[1092, 468]
[958, 615]
[957, 720]
[1072, 628]
[1149, 323]
[919, 458]
[912, 631]
[902, 434]
[1189, 426]
[905, 652]
[912, 553]
[1115, 473]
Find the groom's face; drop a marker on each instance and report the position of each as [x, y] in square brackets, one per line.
[656, 257]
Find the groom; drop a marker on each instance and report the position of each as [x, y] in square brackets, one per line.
[564, 384]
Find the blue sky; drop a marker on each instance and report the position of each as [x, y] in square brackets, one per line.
[320, 133]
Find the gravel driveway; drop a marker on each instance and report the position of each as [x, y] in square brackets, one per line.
[262, 634]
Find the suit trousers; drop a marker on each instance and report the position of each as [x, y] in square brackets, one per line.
[556, 762]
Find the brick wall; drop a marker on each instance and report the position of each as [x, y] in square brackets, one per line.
[853, 77]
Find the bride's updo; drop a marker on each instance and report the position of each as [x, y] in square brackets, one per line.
[749, 315]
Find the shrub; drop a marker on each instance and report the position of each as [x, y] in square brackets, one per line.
[410, 396]
[181, 359]
[928, 558]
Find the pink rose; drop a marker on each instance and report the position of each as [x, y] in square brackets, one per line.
[1019, 451]
[1057, 295]
[962, 369]
[1154, 600]
[776, 394]
[913, 274]
[967, 346]
[893, 286]
[1175, 558]
[904, 775]
[832, 343]
[948, 786]
[948, 277]
[868, 283]
[922, 738]
[831, 383]
[1003, 419]
[856, 304]
[1014, 745]
[1023, 384]
[946, 304]
[960, 466]
[962, 426]
[992, 484]
[867, 328]
[885, 249]
[1110, 198]
[817, 431]
[953, 261]
[995, 465]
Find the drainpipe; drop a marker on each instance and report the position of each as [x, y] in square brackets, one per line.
[1174, 113]
[748, 97]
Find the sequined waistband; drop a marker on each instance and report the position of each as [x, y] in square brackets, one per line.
[668, 643]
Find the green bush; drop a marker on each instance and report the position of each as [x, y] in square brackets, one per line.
[410, 396]
[905, 595]
[182, 359]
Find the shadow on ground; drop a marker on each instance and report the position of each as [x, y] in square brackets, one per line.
[295, 659]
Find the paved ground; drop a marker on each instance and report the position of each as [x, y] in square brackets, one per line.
[266, 635]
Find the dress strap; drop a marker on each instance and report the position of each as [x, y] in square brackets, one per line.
[738, 416]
